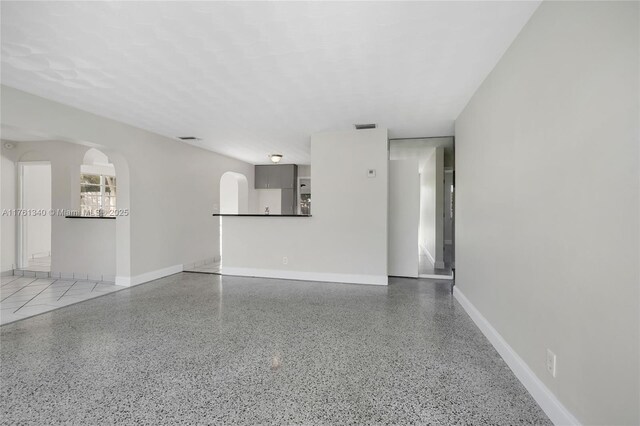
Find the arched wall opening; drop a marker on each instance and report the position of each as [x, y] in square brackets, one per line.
[98, 188]
[80, 249]
[234, 193]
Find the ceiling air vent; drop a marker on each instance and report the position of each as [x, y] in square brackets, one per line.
[188, 138]
[365, 126]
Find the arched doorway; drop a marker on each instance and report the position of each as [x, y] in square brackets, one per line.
[109, 164]
[234, 193]
[97, 185]
[234, 199]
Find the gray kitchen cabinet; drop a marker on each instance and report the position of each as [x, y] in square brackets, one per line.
[288, 174]
[262, 177]
[276, 176]
[283, 177]
[288, 202]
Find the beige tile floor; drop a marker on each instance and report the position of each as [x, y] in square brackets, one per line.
[23, 297]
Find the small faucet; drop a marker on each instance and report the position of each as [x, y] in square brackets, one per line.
[266, 210]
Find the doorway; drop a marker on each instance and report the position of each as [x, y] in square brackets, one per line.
[234, 199]
[34, 242]
[433, 241]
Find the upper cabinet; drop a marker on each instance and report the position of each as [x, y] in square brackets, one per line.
[262, 177]
[276, 176]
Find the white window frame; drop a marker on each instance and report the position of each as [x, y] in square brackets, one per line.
[101, 199]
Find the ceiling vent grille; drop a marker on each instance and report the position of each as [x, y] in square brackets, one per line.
[365, 126]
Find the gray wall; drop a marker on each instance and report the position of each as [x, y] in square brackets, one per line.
[547, 224]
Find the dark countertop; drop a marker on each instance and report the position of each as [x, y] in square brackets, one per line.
[262, 215]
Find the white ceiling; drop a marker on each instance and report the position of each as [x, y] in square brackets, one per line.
[256, 78]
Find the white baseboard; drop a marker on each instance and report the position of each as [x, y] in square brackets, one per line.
[81, 276]
[554, 409]
[148, 276]
[307, 276]
[6, 273]
[436, 276]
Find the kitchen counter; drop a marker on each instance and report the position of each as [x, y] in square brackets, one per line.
[262, 215]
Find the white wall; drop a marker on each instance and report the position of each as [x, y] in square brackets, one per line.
[345, 239]
[427, 230]
[404, 217]
[234, 193]
[547, 217]
[79, 247]
[86, 248]
[439, 192]
[36, 195]
[228, 194]
[271, 198]
[431, 206]
[8, 223]
[174, 187]
[304, 170]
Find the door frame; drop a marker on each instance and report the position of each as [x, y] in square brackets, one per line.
[22, 261]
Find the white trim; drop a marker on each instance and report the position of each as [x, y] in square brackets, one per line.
[148, 276]
[436, 276]
[554, 409]
[22, 259]
[306, 276]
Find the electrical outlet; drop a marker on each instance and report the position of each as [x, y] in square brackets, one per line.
[285, 260]
[551, 363]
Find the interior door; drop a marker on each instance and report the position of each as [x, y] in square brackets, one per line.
[404, 218]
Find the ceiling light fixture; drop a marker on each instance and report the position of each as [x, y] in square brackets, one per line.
[275, 158]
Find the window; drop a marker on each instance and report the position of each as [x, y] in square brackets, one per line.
[97, 195]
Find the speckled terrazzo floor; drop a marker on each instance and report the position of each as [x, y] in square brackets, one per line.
[208, 349]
